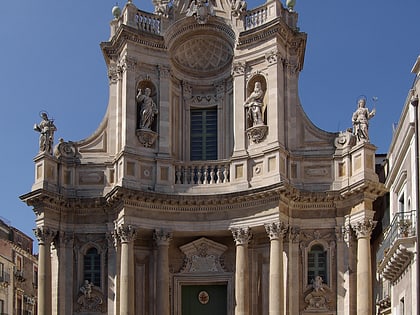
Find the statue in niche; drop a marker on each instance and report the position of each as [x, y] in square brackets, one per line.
[147, 109]
[254, 105]
[361, 119]
[46, 128]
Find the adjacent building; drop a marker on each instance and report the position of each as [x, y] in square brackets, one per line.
[206, 189]
[397, 262]
[18, 272]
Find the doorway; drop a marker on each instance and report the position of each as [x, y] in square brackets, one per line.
[204, 299]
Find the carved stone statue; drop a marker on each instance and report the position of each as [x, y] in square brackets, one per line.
[201, 9]
[46, 128]
[147, 109]
[361, 120]
[238, 7]
[86, 289]
[254, 104]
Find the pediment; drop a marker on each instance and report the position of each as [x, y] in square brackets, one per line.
[203, 256]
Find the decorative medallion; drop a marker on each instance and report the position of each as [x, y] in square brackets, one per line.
[146, 137]
[203, 297]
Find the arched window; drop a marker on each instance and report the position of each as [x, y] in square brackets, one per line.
[92, 266]
[317, 263]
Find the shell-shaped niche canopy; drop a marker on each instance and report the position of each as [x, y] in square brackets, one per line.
[200, 51]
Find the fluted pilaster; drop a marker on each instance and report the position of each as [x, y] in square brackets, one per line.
[363, 231]
[276, 232]
[242, 237]
[126, 235]
[162, 239]
[44, 236]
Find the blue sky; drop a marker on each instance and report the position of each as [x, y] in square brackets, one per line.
[51, 61]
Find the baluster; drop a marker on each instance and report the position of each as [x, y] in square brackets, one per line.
[192, 174]
[185, 175]
[219, 175]
[225, 174]
[205, 175]
[177, 175]
[199, 174]
[212, 173]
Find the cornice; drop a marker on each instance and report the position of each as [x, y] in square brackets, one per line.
[126, 33]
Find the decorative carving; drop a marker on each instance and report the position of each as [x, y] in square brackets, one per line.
[201, 10]
[294, 234]
[241, 235]
[162, 237]
[361, 119]
[146, 137]
[238, 68]
[163, 7]
[46, 129]
[114, 73]
[90, 299]
[44, 235]
[276, 230]
[126, 233]
[272, 57]
[189, 55]
[127, 63]
[203, 255]
[65, 149]
[318, 299]
[364, 228]
[344, 139]
[238, 8]
[257, 133]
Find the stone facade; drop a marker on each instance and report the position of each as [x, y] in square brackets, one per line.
[397, 263]
[205, 173]
[18, 272]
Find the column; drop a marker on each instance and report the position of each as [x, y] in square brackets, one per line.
[363, 231]
[65, 272]
[241, 237]
[276, 232]
[45, 237]
[162, 239]
[126, 234]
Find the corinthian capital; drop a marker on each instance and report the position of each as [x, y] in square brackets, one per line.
[276, 230]
[162, 237]
[364, 228]
[44, 235]
[241, 235]
[126, 233]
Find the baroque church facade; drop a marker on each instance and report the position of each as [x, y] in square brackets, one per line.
[206, 189]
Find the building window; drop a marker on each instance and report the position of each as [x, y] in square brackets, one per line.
[2, 307]
[92, 266]
[401, 203]
[203, 140]
[317, 263]
[402, 307]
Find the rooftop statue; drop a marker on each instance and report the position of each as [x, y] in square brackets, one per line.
[361, 119]
[46, 128]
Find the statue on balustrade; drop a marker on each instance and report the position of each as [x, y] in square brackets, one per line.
[361, 119]
[46, 129]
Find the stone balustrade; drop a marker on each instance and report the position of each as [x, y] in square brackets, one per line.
[256, 17]
[148, 22]
[202, 173]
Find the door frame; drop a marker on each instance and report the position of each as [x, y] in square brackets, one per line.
[202, 279]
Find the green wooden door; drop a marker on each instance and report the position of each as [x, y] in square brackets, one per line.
[204, 300]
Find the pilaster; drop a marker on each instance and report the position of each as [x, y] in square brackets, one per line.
[242, 236]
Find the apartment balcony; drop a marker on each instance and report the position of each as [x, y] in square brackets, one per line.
[397, 248]
[4, 279]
